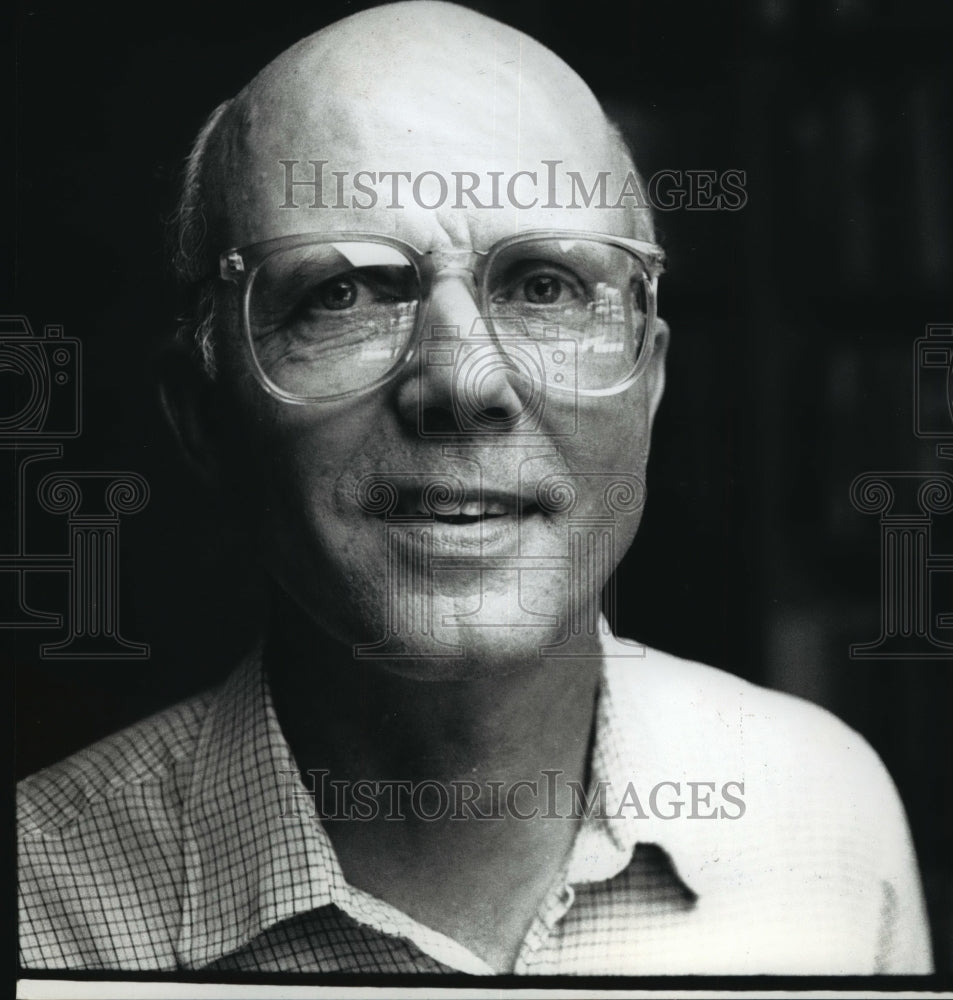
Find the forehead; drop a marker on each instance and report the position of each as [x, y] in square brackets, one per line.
[451, 142]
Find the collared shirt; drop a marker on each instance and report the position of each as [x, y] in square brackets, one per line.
[171, 846]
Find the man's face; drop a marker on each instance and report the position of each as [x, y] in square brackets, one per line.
[493, 579]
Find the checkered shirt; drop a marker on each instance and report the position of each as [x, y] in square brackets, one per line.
[170, 846]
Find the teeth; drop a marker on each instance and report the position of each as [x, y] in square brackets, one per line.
[469, 508]
[472, 508]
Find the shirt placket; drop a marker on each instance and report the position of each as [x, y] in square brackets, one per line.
[537, 950]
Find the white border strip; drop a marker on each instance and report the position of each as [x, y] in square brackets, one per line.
[63, 989]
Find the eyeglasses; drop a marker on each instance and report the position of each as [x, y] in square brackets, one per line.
[333, 315]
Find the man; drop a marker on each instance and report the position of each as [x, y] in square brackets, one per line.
[430, 366]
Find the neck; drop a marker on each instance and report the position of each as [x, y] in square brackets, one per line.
[368, 722]
[361, 719]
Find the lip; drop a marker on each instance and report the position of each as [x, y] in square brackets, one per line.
[470, 505]
[471, 521]
[487, 536]
[441, 496]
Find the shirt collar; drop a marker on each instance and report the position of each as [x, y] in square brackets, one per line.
[252, 859]
[643, 742]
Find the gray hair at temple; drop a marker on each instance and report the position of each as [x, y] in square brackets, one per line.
[188, 231]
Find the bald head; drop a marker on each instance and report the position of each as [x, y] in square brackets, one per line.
[408, 73]
[414, 87]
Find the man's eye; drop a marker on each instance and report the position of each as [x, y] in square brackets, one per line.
[542, 289]
[339, 293]
[537, 283]
[356, 290]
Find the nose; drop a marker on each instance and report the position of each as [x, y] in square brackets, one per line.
[462, 382]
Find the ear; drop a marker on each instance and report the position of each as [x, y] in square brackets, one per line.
[656, 367]
[192, 404]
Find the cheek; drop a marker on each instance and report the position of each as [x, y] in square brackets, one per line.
[286, 461]
[308, 538]
[606, 463]
[311, 444]
[612, 435]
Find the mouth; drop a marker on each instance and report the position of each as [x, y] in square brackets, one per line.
[472, 509]
[447, 516]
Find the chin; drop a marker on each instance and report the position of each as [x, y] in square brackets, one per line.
[454, 625]
[429, 662]
[487, 635]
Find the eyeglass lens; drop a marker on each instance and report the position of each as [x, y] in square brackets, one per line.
[332, 318]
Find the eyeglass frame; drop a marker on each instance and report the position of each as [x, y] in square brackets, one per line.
[234, 269]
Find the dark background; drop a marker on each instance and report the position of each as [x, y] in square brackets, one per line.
[791, 368]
